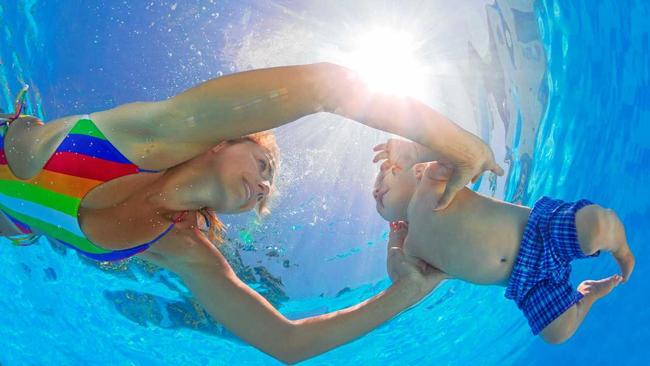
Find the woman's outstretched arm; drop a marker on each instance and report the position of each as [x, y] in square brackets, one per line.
[247, 314]
[239, 104]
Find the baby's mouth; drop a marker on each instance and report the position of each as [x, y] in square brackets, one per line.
[380, 196]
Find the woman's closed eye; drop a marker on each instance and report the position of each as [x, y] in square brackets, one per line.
[265, 169]
[263, 164]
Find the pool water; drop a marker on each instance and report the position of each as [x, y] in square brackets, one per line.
[560, 89]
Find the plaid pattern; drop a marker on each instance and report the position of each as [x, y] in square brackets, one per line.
[539, 283]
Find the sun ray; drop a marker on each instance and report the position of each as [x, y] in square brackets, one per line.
[388, 60]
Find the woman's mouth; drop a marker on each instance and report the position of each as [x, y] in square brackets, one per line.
[249, 191]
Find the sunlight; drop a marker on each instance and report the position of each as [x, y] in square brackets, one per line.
[388, 61]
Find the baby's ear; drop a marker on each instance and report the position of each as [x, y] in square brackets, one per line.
[419, 170]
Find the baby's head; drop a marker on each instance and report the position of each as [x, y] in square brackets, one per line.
[393, 190]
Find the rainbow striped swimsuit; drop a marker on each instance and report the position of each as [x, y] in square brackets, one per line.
[49, 202]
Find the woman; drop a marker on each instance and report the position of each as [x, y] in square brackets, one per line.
[145, 179]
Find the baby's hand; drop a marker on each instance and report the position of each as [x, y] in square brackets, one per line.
[401, 153]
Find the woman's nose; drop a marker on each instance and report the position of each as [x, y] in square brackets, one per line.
[264, 190]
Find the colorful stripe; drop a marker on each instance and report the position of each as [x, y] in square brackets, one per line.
[55, 231]
[92, 146]
[63, 184]
[116, 255]
[88, 166]
[21, 226]
[86, 126]
[49, 202]
[41, 212]
[25, 194]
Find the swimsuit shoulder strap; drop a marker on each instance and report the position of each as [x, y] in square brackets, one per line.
[179, 217]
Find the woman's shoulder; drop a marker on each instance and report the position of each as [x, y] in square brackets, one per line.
[29, 143]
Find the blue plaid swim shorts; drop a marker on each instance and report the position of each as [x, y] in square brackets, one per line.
[539, 283]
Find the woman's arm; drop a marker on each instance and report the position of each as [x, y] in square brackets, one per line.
[239, 104]
[177, 129]
[243, 311]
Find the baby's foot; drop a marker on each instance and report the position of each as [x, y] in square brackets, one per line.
[594, 290]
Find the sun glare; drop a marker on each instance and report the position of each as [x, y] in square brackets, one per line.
[388, 61]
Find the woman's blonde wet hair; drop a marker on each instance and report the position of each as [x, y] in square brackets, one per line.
[213, 227]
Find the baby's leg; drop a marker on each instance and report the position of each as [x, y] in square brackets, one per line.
[563, 327]
[601, 229]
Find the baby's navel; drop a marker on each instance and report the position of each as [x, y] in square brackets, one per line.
[503, 260]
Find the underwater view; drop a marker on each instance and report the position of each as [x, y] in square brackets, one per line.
[559, 90]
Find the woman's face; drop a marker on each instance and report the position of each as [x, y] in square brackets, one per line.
[245, 173]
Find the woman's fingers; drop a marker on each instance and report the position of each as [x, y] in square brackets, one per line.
[456, 183]
[398, 231]
[396, 226]
[491, 165]
[497, 169]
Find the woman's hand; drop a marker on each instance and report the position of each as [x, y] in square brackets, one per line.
[468, 162]
[23, 117]
[404, 268]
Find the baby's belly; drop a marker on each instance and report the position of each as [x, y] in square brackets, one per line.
[483, 265]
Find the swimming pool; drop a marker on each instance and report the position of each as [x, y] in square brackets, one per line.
[560, 89]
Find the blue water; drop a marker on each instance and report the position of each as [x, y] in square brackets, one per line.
[561, 89]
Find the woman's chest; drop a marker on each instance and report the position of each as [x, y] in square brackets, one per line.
[118, 191]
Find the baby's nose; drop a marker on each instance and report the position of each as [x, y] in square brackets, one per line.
[375, 192]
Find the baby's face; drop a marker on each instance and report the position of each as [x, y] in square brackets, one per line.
[393, 190]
